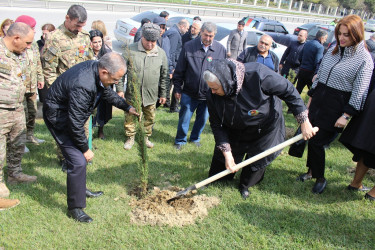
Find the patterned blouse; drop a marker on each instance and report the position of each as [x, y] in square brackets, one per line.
[349, 71]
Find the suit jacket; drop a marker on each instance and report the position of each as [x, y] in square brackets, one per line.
[236, 43]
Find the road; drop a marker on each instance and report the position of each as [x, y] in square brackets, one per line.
[57, 16]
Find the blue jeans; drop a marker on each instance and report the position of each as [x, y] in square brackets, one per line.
[188, 106]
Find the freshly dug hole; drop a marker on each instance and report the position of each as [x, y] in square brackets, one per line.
[154, 209]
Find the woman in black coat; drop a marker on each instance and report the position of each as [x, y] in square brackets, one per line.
[359, 138]
[104, 110]
[246, 116]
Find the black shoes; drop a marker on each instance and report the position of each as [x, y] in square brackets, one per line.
[244, 193]
[197, 144]
[369, 197]
[319, 186]
[304, 177]
[90, 194]
[177, 146]
[174, 110]
[78, 215]
[101, 133]
[363, 188]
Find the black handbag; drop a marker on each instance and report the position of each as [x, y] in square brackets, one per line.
[297, 149]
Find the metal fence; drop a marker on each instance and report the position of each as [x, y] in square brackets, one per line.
[247, 8]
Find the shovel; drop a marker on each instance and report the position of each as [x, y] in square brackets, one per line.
[240, 165]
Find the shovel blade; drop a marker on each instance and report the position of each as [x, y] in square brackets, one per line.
[182, 193]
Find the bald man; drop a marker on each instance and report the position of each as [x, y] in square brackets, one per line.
[261, 54]
[290, 57]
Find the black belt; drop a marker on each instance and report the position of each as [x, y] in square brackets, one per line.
[9, 109]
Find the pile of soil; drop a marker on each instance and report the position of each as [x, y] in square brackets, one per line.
[154, 209]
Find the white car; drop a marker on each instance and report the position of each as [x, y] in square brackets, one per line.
[370, 25]
[253, 36]
[127, 27]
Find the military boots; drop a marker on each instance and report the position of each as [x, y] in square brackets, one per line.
[7, 203]
[21, 178]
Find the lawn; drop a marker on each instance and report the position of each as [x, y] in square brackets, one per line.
[280, 212]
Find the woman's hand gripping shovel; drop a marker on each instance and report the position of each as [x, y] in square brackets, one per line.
[240, 165]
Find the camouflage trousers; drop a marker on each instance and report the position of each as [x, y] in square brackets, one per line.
[59, 153]
[12, 140]
[148, 117]
[31, 108]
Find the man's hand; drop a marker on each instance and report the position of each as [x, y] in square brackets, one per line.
[177, 96]
[162, 100]
[132, 111]
[121, 94]
[89, 155]
[314, 77]
[280, 66]
[229, 54]
[170, 76]
[40, 85]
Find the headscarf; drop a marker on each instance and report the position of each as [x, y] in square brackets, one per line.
[231, 75]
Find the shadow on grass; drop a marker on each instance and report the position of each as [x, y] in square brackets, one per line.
[320, 228]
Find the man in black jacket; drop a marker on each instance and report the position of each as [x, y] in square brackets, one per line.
[69, 103]
[196, 56]
[261, 54]
[290, 59]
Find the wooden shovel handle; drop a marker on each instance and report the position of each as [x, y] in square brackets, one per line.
[252, 159]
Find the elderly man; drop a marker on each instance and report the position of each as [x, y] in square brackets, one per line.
[13, 66]
[175, 36]
[193, 33]
[69, 103]
[196, 56]
[310, 57]
[67, 46]
[148, 69]
[261, 54]
[237, 41]
[34, 80]
[290, 58]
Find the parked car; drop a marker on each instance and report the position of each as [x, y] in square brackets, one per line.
[311, 33]
[253, 36]
[127, 27]
[305, 26]
[273, 28]
[370, 25]
[265, 25]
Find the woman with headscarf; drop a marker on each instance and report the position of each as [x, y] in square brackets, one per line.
[104, 110]
[246, 116]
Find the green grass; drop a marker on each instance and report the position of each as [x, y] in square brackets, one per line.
[280, 212]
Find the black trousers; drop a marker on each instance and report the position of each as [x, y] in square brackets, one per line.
[76, 163]
[316, 155]
[304, 79]
[248, 177]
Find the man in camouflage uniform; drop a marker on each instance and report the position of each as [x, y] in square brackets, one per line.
[12, 123]
[34, 79]
[67, 46]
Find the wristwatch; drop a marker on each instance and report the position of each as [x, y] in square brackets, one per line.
[346, 117]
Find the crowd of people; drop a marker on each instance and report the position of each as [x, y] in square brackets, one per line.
[239, 89]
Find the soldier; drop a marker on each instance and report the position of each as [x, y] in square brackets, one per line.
[34, 80]
[12, 123]
[67, 46]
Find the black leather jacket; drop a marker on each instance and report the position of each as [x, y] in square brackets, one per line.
[72, 98]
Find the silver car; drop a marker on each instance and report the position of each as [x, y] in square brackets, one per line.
[253, 36]
[370, 25]
[127, 27]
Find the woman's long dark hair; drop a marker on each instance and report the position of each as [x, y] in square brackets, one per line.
[95, 33]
